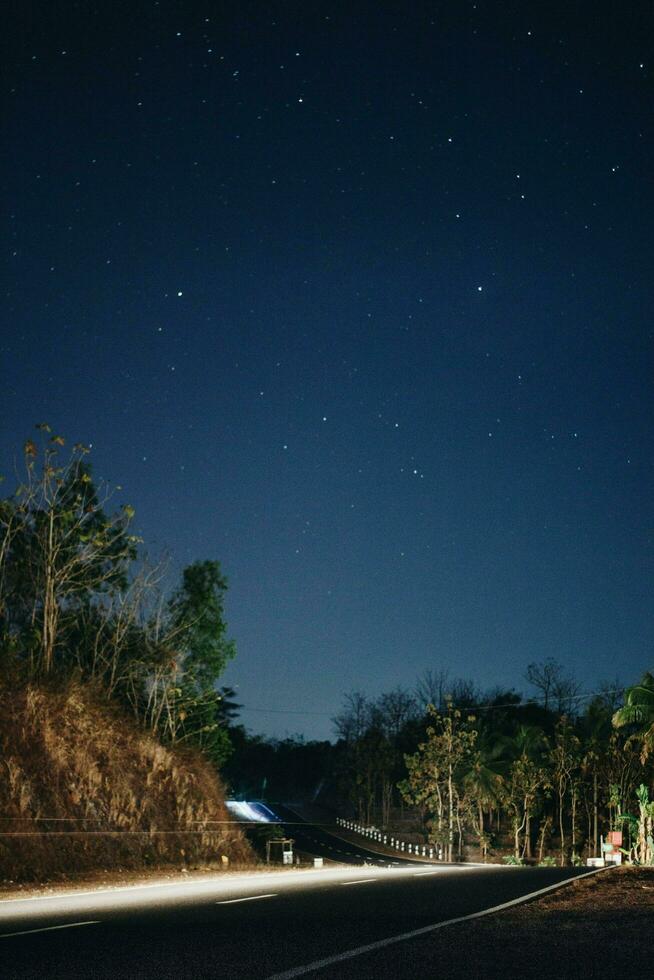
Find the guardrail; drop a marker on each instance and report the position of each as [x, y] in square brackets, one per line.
[395, 843]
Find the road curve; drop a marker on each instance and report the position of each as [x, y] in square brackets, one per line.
[253, 926]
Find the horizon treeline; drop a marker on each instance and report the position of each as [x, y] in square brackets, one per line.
[77, 601]
[542, 778]
[532, 779]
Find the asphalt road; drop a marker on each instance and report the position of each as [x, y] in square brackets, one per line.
[255, 926]
[315, 839]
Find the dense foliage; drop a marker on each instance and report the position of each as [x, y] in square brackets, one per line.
[75, 601]
[548, 776]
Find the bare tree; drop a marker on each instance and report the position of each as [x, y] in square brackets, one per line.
[432, 688]
[64, 550]
[464, 693]
[396, 708]
[350, 724]
[559, 689]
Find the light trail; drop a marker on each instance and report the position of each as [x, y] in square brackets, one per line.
[36, 909]
[65, 925]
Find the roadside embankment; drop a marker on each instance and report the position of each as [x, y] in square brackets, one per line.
[83, 789]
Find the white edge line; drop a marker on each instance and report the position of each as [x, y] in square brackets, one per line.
[248, 898]
[66, 925]
[300, 971]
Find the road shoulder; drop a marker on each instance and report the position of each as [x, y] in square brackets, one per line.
[599, 926]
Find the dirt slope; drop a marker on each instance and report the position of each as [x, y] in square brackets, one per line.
[81, 788]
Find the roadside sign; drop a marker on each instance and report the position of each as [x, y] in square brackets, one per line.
[615, 837]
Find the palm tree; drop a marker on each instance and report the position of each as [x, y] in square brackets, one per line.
[638, 710]
[484, 781]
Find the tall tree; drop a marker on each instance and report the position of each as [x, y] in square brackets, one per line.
[436, 771]
[525, 784]
[565, 757]
[183, 700]
[197, 617]
[61, 548]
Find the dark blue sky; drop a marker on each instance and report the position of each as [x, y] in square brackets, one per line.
[355, 298]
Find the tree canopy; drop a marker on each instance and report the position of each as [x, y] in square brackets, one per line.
[76, 596]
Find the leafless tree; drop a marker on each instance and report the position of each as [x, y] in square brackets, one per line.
[432, 687]
[559, 689]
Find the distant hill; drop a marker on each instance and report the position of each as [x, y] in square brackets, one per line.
[82, 788]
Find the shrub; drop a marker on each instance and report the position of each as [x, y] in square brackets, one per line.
[513, 860]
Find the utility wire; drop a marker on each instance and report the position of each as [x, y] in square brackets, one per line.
[468, 707]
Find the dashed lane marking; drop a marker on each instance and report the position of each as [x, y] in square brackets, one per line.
[248, 898]
[362, 881]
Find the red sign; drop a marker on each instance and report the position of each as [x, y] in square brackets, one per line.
[615, 837]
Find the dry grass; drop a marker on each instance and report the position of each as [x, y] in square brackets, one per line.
[81, 788]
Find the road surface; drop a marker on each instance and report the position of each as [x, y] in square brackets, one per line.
[315, 839]
[254, 926]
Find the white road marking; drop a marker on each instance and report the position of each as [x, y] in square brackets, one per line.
[67, 925]
[300, 971]
[362, 881]
[421, 874]
[248, 898]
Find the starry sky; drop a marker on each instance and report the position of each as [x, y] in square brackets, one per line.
[355, 298]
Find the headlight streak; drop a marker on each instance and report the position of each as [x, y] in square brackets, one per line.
[251, 813]
[23, 911]
[65, 925]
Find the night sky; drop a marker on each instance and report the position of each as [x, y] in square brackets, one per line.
[355, 298]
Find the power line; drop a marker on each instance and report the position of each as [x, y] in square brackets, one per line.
[524, 704]
[468, 707]
[288, 711]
